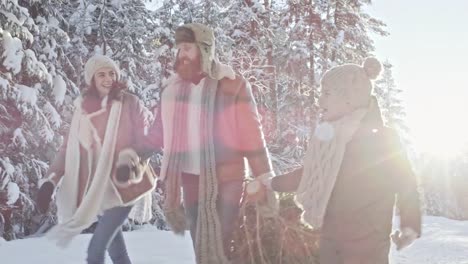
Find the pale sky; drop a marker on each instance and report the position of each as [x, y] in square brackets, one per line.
[428, 47]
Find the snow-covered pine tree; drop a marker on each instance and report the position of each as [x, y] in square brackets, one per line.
[247, 43]
[44, 45]
[168, 17]
[345, 32]
[299, 29]
[123, 30]
[32, 94]
[389, 97]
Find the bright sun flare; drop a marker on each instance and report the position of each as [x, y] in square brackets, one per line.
[440, 129]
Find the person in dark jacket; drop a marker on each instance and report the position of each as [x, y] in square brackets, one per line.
[354, 172]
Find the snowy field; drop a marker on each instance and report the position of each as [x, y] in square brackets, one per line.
[444, 242]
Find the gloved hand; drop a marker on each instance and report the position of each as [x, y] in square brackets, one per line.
[123, 172]
[404, 238]
[259, 191]
[119, 86]
[129, 168]
[255, 190]
[44, 195]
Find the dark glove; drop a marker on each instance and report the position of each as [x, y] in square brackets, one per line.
[119, 86]
[123, 173]
[129, 162]
[130, 168]
[44, 196]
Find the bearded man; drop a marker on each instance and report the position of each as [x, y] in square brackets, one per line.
[211, 125]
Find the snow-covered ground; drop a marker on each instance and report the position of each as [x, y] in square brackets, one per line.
[444, 242]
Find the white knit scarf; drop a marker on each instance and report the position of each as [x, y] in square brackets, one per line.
[100, 194]
[322, 162]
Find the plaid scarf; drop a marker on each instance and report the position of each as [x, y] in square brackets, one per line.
[208, 241]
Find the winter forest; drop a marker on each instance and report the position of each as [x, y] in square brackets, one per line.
[281, 47]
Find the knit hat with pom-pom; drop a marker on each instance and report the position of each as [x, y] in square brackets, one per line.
[353, 81]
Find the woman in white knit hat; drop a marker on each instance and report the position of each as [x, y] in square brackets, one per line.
[98, 170]
[353, 170]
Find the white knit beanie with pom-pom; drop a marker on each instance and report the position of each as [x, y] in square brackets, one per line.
[353, 81]
[97, 62]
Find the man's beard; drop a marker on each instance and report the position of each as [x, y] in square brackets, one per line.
[189, 70]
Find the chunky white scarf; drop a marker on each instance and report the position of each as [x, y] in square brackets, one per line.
[322, 163]
[100, 194]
